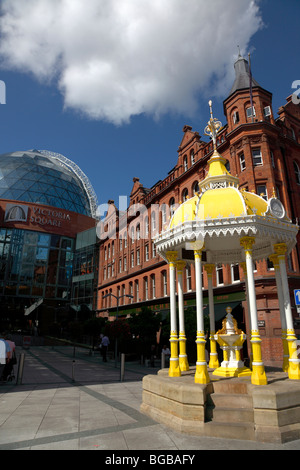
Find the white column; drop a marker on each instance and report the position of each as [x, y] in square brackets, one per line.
[294, 363]
[174, 370]
[275, 261]
[213, 357]
[183, 361]
[258, 376]
[201, 375]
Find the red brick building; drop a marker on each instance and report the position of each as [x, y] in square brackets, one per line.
[264, 152]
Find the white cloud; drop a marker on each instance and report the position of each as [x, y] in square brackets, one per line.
[118, 58]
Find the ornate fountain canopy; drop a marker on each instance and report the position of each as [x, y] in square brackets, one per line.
[222, 214]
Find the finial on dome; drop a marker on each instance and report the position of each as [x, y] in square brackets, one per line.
[213, 127]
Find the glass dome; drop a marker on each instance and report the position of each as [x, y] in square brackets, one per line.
[44, 178]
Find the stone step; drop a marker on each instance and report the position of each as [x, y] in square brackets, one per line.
[230, 386]
[229, 415]
[234, 401]
[244, 431]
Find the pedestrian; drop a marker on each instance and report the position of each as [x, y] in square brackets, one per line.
[166, 351]
[104, 347]
[5, 356]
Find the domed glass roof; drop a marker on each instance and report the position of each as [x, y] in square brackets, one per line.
[43, 178]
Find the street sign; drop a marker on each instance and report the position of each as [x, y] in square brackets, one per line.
[297, 296]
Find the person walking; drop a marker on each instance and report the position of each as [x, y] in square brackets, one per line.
[104, 347]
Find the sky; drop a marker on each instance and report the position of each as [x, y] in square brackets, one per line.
[110, 84]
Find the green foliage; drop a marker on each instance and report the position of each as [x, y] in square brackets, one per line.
[145, 324]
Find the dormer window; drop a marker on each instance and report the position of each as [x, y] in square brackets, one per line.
[267, 111]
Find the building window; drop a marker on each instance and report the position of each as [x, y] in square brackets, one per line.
[120, 244]
[242, 162]
[153, 222]
[192, 157]
[250, 112]
[105, 253]
[297, 172]
[219, 272]
[153, 286]
[137, 293]
[120, 265]
[165, 284]
[188, 278]
[256, 156]
[147, 226]
[235, 273]
[185, 195]
[236, 117]
[125, 263]
[131, 291]
[172, 206]
[153, 250]
[132, 234]
[146, 288]
[138, 232]
[267, 112]
[272, 158]
[185, 163]
[146, 252]
[132, 259]
[138, 260]
[262, 191]
[164, 214]
[195, 188]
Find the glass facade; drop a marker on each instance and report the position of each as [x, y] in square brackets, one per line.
[35, 264]
[85, 270]
[36, 178]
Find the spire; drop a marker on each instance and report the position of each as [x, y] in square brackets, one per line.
[242, 75]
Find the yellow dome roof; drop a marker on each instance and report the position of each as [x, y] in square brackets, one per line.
[219, 203]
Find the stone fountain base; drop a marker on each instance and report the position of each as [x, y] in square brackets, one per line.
[239, 371]
[226, 407]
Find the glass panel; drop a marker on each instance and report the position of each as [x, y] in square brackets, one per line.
[41, 255]
[43, 239]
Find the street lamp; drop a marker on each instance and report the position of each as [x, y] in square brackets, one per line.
[117, 298]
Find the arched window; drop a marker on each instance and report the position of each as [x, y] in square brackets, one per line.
[297, 172]
[172, 206]
[195, 188]
[185, 195]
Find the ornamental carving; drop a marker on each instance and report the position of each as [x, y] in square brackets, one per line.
[280, 248]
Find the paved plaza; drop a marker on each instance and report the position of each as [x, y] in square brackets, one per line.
[70, 400]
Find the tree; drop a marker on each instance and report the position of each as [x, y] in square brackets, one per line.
[144, 325]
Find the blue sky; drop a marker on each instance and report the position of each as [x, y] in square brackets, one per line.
[35, 114]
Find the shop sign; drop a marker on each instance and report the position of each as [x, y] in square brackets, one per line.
[43, 216]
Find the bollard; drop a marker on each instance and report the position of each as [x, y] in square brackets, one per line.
[122, 367]
[73, 371]
[20, 369]
[163, 360]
